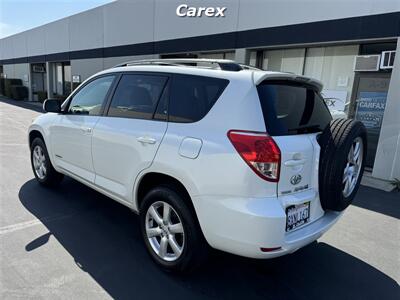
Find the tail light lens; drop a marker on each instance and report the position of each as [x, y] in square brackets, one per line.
[259, 151]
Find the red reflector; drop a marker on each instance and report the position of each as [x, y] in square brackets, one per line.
[259, 151]
[270, 249]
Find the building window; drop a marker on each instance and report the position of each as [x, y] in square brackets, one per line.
[62, 79]
[287, 60]
[253, 59]
[220, 55]
[334, 67]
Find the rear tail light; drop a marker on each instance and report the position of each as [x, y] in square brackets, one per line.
[259, 151]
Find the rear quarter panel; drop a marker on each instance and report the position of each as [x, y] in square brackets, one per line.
[218, 169]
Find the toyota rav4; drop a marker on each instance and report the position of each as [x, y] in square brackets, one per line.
[209, 153]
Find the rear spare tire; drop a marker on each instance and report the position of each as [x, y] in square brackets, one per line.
[342, 160]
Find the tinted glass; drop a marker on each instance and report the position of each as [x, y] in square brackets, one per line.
[90, 98]
[292, 109]
[161, 112]
[193, 96]
[137, 96]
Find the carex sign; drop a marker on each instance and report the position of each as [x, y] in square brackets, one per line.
[185, 10]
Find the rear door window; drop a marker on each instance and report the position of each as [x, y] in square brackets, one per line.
[137, 96]
[292, 108]
[192, 97]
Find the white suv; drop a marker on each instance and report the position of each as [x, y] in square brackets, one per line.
[208, 153]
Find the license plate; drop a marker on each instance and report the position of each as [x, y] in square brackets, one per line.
[297, 215]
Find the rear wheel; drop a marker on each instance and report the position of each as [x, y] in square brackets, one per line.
[170, 231]
[343, 152]
[41, 165]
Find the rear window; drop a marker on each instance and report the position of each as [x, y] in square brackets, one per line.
[292, 108]
[193, 96]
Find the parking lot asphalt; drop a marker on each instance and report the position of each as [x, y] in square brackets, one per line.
[74, 243]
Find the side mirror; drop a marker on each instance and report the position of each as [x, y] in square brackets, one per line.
[52, 105]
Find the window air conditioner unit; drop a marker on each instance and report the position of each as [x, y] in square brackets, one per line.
[387, 60]
[367, 63]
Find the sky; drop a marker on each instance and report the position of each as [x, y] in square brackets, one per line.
[21, 15]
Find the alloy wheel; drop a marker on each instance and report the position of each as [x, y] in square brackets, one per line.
[353, 166]
[39, 162]
[164, 231]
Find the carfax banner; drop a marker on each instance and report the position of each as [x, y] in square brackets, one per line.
[370, 108]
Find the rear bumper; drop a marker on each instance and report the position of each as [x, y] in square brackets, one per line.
[243, 226]
[305, 235]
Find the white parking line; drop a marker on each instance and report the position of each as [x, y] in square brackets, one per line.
[27, 224]
[13, 144]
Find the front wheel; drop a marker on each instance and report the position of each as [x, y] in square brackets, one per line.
[41, 165]
[170, 231]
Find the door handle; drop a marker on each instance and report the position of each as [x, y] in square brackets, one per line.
[146, 140]
[87, 130]
[294, 162]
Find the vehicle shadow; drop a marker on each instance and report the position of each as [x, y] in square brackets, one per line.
[104, 239]
[23, 104]
[378, 201]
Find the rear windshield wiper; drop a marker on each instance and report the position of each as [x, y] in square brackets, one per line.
[311, 128]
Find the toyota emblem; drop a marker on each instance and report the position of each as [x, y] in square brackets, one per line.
[295, 179]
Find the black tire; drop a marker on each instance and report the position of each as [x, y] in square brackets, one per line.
[52, 177]
[336, 142]
[195, 247]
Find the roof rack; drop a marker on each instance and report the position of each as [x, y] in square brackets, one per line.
[223, 64]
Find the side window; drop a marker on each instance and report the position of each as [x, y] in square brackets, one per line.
[89, 100]
[161, 112]
[137, 96]
[193, 96]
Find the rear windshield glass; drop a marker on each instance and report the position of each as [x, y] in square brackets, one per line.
[292, 108]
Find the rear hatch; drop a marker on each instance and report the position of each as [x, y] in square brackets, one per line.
[294, 114]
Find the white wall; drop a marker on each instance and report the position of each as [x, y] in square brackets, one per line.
[387, 160]
[110, 62]
[169, 26]
[138, 21]
[57, 37]
[35, 41]
[7, 47]
[268, 13]
[86, 30]
[19, 46]
[86, 67]
[128, 22]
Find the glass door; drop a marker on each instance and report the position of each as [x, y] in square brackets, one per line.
[62, 79]
[370, 93]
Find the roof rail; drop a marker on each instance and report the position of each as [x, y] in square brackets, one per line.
[248, 67]
[223, 64]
